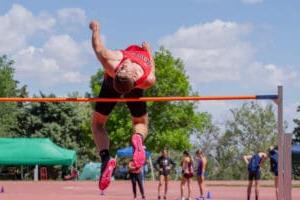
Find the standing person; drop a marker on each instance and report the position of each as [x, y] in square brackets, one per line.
[163, 165]
[201, 162]
[135, 175]
[273, 155]
[254, 163]
[187, 173]
[127, 73]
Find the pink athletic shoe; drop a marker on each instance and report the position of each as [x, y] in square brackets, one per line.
[138, 150]
[105, 178]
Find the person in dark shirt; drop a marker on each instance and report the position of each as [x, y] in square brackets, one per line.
[135, 175]
[163, 165]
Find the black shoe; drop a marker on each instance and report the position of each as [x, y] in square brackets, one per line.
[103, 166]
[158, 197]
[104, 155]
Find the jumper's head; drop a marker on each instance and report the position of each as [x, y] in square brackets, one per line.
[124, 79]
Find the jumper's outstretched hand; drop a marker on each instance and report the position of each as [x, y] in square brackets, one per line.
[94, 26]
[146, 46]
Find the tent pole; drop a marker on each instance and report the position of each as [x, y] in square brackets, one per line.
[22, 177]
[36, 173]
[151, 166]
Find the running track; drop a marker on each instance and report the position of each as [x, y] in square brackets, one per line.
[121, 190]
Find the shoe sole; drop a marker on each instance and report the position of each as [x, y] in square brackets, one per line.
[138, 150]
[105, 179]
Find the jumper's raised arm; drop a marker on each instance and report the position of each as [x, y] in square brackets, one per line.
[108, 58]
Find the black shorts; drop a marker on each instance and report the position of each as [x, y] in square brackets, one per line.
[275, 172]
[137, 109]
[164, 173]
[254, 176]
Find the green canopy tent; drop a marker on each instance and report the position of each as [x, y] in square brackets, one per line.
[34, 151]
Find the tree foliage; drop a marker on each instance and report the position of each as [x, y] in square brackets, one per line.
[8, 88]
[252, 129]
[296, 140]
[63, 123]
[296, 132]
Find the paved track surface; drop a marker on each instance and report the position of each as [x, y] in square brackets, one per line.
[121, 190]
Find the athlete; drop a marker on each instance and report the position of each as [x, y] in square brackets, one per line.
[201, 162]
[164, 164]
[127, 74]
[254, 163]
[187, 174]
[136, 177]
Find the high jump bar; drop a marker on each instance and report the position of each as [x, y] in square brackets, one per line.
[141, 99]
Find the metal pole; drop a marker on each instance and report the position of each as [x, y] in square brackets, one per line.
[36, 173]
[151, 167]
[22, 176]
[280, 143]
[288, 166]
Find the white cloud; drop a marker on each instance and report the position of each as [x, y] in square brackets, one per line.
[252, 1]
[74, 77]
[290, 113]
[58, 58]
[65, 50]
[18, 24]
[271, 74]
[219, 51]
[220, 110]
[71, 16]
[28, 62]
[212, 51]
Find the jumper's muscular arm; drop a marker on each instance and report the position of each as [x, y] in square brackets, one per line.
[108, 58]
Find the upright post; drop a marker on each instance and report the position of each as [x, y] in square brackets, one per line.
[280, 143]
[288, 166]
[36, 173]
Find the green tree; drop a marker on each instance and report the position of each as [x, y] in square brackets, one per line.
[171, 123]
[8, 88]
[208, 142]
[296, 132]
[296, 140]
[251, 129]
[63, 123]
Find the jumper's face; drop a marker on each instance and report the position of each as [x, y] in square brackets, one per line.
[126, 69]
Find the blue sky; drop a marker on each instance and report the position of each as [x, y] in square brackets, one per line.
[229, 47]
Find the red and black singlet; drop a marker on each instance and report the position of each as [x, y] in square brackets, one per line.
[139, 56]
